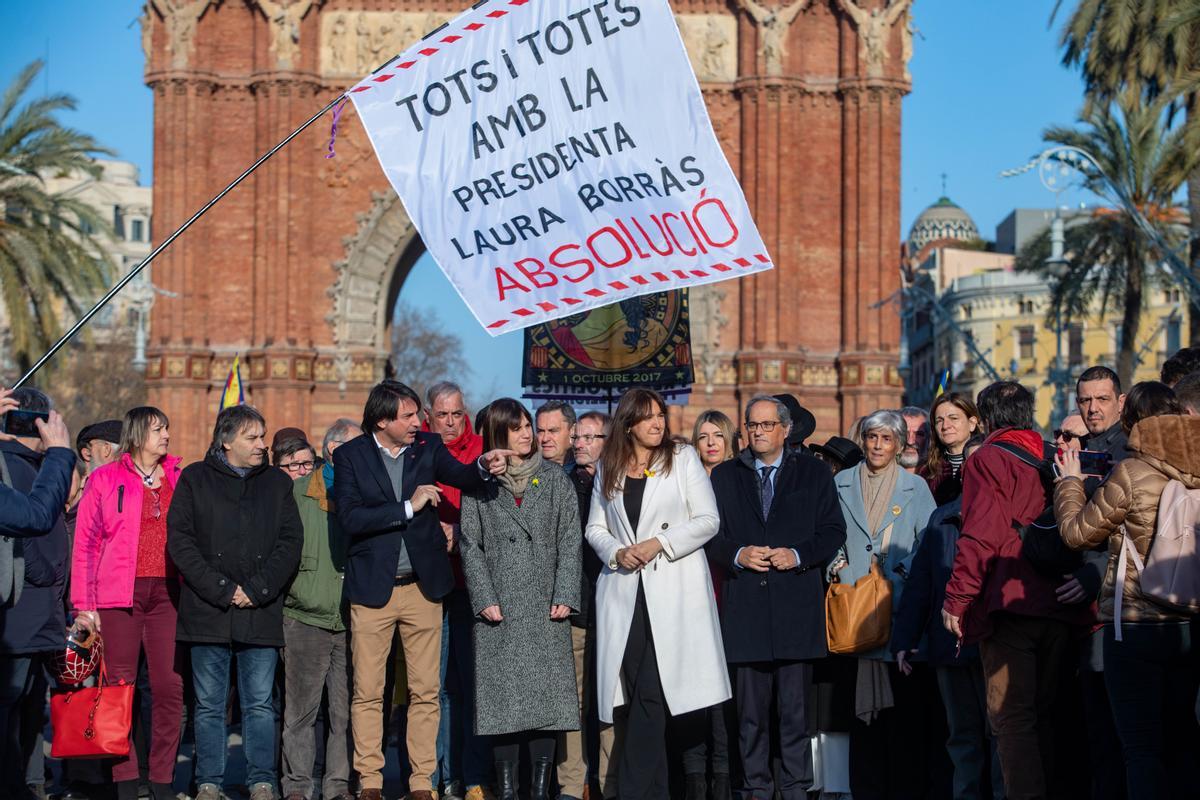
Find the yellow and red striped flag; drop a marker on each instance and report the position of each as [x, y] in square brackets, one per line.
[232, 394]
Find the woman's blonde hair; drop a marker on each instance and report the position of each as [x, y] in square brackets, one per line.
[723, 423]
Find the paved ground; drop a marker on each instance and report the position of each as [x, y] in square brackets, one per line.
[235, 771]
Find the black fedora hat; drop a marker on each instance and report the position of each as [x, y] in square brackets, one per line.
[841, 450]
[803, 421]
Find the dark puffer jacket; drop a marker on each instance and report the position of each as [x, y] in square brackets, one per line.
[225, 531]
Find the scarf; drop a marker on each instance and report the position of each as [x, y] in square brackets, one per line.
[466, 448]
[516, 477]
[877, 493]
[241, 471]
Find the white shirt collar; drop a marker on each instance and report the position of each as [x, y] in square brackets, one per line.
[759, 463]
[386, 450]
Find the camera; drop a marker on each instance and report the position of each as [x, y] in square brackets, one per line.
[22, 422]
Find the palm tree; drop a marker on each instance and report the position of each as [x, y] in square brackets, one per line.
[1151, 46]
[1109, 257]
[50, 253]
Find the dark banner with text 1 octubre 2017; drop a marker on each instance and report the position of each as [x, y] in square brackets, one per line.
[556, 156]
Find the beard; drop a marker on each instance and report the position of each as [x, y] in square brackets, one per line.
[910, 458]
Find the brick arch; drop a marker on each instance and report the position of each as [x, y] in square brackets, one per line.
[808, 114]
[377, 259]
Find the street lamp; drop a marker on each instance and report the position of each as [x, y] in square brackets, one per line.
[1062, 160]
[1054, 167]
[1056, 266]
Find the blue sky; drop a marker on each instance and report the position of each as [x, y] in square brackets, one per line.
[987, 81]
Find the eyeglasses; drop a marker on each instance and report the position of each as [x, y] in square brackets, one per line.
[300, 466]
[587, 438]
[1065, 435]
[765, 427]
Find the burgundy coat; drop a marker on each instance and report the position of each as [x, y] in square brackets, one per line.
[990, 574]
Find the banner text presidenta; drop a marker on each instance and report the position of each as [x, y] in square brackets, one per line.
[556, 156]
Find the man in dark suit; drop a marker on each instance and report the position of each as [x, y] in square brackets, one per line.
[397, 571]
[780, 526]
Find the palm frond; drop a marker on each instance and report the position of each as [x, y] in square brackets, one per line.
[52, 255]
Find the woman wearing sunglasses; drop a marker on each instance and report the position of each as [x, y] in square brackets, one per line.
[123, 583]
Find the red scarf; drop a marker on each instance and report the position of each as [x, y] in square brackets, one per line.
[466, 448]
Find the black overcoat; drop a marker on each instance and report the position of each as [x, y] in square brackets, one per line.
[775, 615]
[225, 531]
[375, 518]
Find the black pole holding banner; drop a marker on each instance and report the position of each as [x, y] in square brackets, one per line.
[133, 273]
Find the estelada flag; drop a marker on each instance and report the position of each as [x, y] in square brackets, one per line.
[232, 394]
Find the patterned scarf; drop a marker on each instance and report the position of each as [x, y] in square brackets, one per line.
[516, 477]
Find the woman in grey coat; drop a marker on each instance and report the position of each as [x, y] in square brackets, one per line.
[521, 554]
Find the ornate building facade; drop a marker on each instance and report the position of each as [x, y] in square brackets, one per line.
[298, 269]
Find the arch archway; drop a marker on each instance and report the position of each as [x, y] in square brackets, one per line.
[797, 107]
[378, 258]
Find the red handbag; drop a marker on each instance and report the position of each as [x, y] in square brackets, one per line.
[92, 722]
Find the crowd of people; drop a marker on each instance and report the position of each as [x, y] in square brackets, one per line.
[558, 606]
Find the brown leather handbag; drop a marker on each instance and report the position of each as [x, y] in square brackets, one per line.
[858, 617]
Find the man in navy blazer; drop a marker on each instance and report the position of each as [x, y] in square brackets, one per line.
[780, 526]
[397, 571]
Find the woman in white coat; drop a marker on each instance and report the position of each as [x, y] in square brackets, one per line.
[659, 650]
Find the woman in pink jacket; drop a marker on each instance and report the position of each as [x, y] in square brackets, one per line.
[123, 582]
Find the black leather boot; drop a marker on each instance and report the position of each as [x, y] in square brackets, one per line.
[696, 787]
[721, 789]
[506, 780]
[541, 779]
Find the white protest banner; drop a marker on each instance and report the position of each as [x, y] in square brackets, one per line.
[556, 155]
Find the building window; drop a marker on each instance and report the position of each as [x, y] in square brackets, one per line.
[966, 312]
[1025, 341]
[1075, 344]
[118, 222]
[1171, 295]
[1171, 326]
[1026, 307]
[136, 230]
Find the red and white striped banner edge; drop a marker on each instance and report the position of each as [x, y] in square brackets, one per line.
[620, 286]
[445, 38]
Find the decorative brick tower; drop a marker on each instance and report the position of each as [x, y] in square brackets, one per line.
[299, 268]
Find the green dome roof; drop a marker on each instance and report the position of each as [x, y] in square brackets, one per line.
[945, 219]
